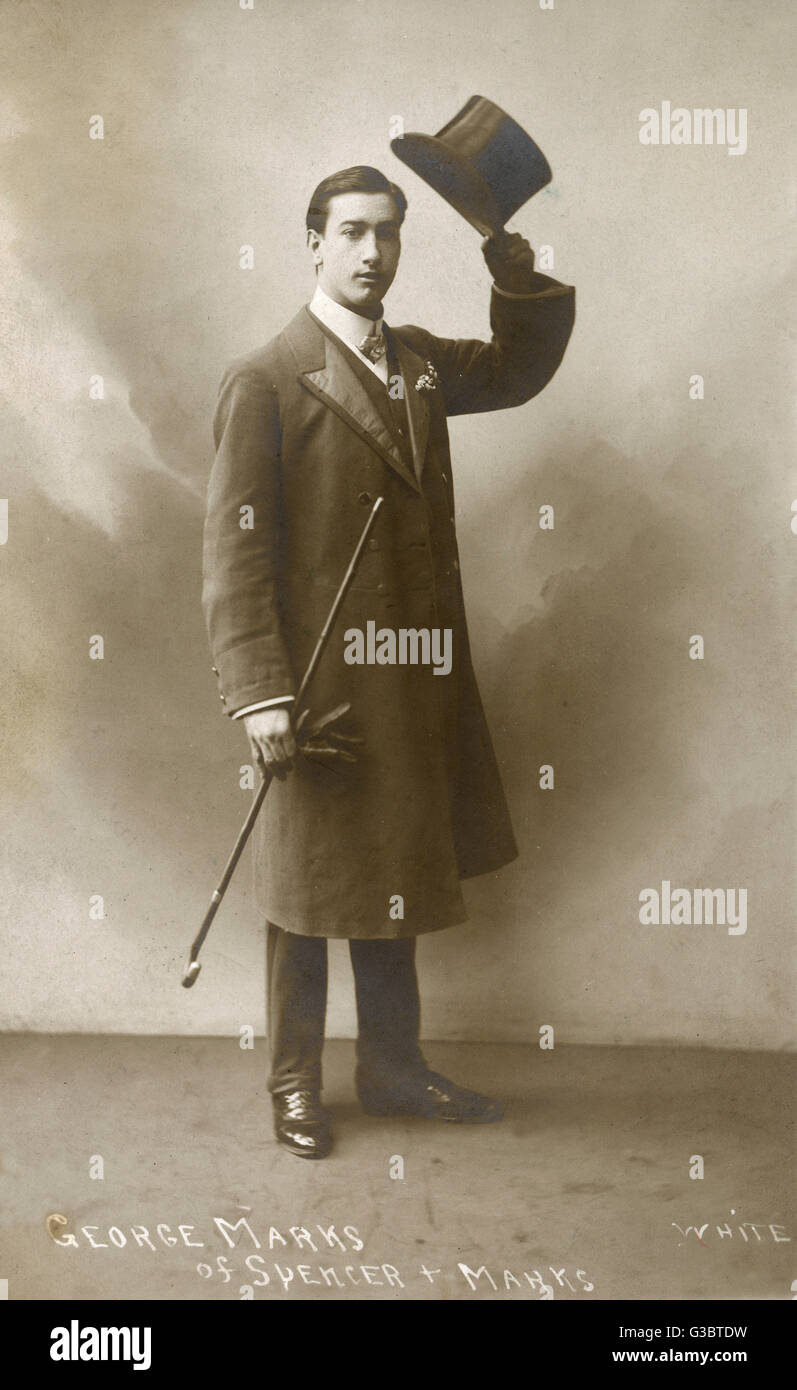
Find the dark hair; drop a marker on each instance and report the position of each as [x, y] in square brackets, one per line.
[361, 179]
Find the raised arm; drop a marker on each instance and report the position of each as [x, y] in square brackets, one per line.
[531, 317]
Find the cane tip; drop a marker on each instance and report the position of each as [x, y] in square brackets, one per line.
[191, 974]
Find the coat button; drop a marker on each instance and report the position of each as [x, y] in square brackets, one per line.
[456, 565]
[221, 697]
[380, 588]
[451, 519]
[365, 499]
[215, 670]
[373, 544]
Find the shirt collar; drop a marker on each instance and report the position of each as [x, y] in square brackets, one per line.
[344, 323]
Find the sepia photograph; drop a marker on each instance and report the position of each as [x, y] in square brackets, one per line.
[396, 540]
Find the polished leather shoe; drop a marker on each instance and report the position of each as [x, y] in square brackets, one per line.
[430, 1095]
[301, 1124]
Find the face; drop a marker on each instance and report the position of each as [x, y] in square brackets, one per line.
[358, 252]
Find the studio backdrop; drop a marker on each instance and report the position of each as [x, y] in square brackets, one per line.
[639, 504]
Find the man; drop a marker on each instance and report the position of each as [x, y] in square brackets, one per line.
[337, 410]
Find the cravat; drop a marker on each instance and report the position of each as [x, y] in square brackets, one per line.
[373, 346]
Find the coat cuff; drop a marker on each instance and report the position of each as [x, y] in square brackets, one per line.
[279, 702]
[252, 673]
[540, 287]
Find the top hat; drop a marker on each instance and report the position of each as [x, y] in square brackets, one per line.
[483, 163]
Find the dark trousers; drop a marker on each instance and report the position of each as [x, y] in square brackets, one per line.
[388, 1008]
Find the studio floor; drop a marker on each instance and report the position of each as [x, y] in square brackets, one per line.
[583, 1192]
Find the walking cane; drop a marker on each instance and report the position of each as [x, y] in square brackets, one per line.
[193, 967]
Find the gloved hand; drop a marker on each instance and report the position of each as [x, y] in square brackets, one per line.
[510, 261]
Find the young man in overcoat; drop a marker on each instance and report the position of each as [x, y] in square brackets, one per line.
[335, 411]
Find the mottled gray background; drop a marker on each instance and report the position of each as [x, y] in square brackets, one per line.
[672, 516]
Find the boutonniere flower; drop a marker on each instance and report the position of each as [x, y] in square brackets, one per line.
[429, 381]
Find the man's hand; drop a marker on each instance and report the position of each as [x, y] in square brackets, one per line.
[510, 261]
[271, 740]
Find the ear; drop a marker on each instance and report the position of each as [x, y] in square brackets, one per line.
[315, 241]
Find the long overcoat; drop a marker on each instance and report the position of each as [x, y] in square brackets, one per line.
[376, 848]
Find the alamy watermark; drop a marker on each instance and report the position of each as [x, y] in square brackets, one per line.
[694, 906]
[404, 646]
[76, 1343]
[703, 125]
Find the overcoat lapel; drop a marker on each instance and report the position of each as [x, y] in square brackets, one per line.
[412, 367]
[324, 370]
